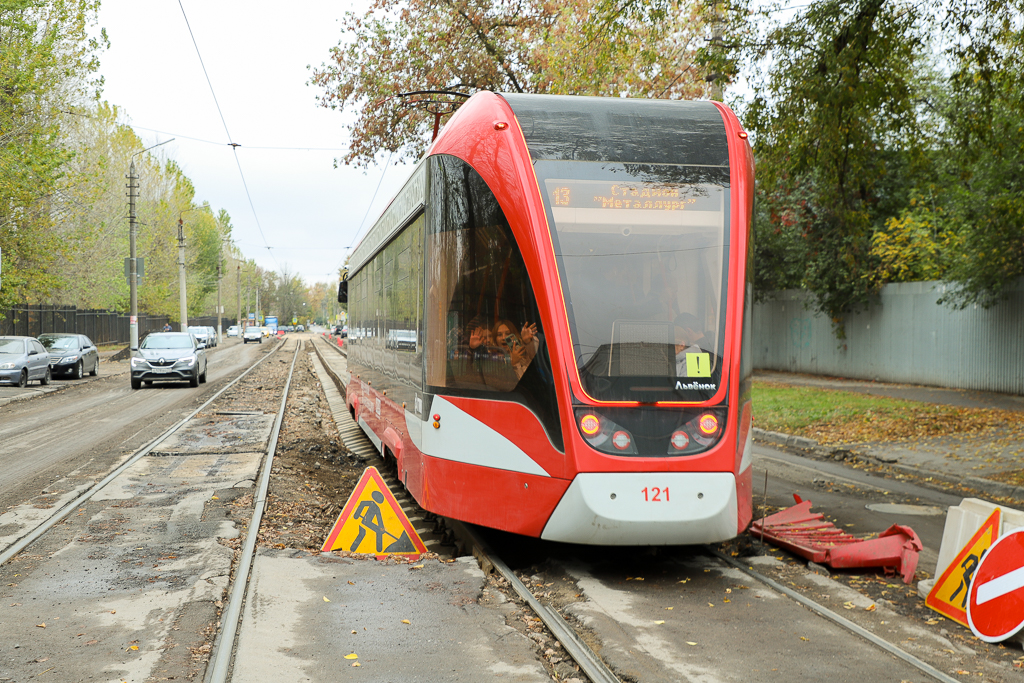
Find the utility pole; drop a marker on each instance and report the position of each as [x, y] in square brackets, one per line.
[220, 308]
[182, 298]
[133, 279]
[133, 270]
[238, 278]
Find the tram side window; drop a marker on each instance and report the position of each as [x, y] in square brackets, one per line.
[403, 271]
[356, 315]
[483, 329]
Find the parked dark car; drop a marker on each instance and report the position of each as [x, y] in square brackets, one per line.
[23, 359]
[71, 354]
[168, 357]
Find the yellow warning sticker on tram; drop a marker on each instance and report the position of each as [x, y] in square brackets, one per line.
[948, 596]
[698, 365]
[373, 522]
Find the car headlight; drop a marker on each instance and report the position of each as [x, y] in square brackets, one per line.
[188, 361]
[68, 359]
[139, 362]
[7, 366]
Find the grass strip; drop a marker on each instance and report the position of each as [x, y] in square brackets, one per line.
[835, 417]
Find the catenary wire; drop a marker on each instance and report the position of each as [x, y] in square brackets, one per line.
[359, 230]
[234, 147]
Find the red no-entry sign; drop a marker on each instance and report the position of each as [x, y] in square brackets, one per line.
[995, 608]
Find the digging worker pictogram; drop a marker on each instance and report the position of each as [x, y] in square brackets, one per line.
[969, 565]
[368, 514]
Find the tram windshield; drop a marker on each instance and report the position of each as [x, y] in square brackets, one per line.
[642, 251]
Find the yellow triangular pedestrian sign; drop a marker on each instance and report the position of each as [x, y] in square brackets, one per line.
[948, 596]
[373, 522]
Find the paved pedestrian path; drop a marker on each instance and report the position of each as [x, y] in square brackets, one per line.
[979, 459]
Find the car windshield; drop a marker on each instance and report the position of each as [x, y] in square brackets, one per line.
[198, 330]
[59, 342]
[12, 346]
[178, 341]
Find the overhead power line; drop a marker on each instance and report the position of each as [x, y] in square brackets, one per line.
[260, 147]
[234, 146]
[359, 230]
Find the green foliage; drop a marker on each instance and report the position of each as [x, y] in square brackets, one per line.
[882, 159]
[983, 154]
[835, 126]
[46, 57]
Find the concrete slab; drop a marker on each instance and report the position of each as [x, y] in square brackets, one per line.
[692, 622]
[306, 613]
[220, 433]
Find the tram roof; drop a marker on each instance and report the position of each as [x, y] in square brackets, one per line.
[624, 130]
[580, 128]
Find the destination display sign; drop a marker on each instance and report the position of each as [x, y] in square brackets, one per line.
[614, 195]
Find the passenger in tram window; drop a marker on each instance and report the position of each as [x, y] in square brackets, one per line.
[688, 341]
[478, 335]
[519, 347]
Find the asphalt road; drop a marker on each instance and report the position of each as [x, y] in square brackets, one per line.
[92, 426]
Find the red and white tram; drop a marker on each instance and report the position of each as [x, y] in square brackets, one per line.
[547, 324]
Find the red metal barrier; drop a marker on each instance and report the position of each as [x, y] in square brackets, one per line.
[807, 534]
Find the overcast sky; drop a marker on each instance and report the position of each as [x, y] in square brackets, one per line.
[255, 53]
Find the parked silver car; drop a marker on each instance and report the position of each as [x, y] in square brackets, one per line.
[23, 359]
[71, 354]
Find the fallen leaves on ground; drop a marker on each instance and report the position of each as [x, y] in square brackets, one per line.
[850, 417]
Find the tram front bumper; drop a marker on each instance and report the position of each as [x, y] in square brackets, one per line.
[646, 508]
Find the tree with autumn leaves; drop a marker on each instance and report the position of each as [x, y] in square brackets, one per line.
[582, 47]
[63, 158]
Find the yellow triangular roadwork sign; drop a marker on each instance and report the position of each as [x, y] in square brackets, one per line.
[948, 596]
[373, 522]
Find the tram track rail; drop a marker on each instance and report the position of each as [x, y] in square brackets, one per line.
[599, 672]
[61, 514]
[223, 648]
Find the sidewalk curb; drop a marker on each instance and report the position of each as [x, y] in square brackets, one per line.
[993, 488]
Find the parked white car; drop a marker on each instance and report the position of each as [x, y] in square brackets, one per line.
[202, 334]
[233, 331]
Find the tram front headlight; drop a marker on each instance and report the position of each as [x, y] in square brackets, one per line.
[603, 434]
[590, 424]
[708, 424]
